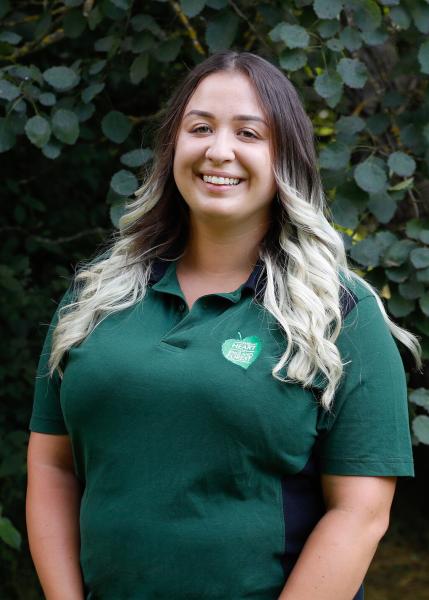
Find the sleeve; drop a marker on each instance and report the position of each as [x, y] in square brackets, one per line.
[368, 431]
[47, 416]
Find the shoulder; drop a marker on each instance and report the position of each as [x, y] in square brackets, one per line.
[353, 290]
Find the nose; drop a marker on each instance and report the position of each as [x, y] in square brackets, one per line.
[220, 147]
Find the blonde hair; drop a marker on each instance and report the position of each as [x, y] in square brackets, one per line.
[303, 254]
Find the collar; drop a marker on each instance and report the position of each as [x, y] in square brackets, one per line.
[255, 282]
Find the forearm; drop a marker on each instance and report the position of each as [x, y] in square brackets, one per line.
[52, 510]
[335, 558]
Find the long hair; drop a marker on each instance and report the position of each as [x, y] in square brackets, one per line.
[304, 256]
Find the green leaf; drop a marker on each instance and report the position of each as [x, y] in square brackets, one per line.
[43, 25]
[423, 275]
[221, 31]
[420, 257]
[420, 14]
[401, 164]
[294, 36]
[116, 126]
[335, 45]
[350, 124]
[351, 38]
[398, 274]
[10, 37]
[74, 24]
[423, 57]
[420, 397]
[327, 9]
[400, 17]
[344, 212]
[370, 176]
[7, 136]
[47, 99]
[97, 66]
[328, 28]
[376, 37]
[335, 156]
[52, 150]
[136, 158]
[61, 78]
[139, 68]
[38, 131]
[142, 42]
[117, 210]
[91, 91]
[382, 206]
[405, 184]
[9, 534]
[366, 252]
[399, 306]
[353, 72]
[109, 44]
[385, 239]
[424, 303]
[415, 227]
[328, 84]
[378, 123]
[192, 7]
[8, 91]
[65, 126]
[142, 22]
[124, 183]
[398, 253]
[168, 51]
[367, 14]
[420, 426]
[292, 60]
[411, 289]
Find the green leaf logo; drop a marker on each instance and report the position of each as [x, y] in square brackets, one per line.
[242, 352]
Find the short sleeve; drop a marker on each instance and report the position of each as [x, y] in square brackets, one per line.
[368, 432]
[47, 415]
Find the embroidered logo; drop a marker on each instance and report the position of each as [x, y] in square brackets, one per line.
[242, 352]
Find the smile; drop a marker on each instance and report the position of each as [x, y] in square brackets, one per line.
[220, 180]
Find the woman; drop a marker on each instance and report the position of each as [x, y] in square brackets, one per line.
[170, 455]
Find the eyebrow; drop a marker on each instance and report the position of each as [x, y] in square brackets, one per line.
[203, 113]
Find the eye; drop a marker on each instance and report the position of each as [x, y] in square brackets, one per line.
[248, 131]
[198, 128]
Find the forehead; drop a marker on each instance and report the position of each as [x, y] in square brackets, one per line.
[226, 92]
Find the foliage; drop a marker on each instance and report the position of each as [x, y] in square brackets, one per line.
[82, 83]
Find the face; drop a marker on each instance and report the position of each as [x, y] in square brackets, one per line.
[231, 139]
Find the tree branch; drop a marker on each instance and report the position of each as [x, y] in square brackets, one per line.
[191, 31]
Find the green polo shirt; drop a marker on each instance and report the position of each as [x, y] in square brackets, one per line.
[200, 471]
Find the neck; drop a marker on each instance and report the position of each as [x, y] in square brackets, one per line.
[222, 252]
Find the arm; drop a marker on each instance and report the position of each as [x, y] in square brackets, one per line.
[337, 554]
[52, 512]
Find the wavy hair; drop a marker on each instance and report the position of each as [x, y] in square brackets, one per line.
[304, 256]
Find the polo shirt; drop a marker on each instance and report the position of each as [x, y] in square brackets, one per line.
[200, 471]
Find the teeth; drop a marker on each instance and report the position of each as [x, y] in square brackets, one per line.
[221, 180]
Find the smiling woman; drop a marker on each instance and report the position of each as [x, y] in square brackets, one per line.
[224, 145]
[220, 407]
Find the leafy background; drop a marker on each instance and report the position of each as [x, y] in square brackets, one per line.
[82, 84]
